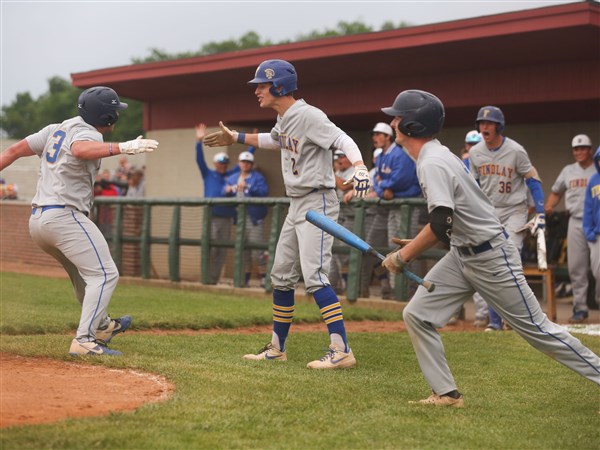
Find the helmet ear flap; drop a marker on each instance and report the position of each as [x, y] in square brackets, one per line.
[411, 128]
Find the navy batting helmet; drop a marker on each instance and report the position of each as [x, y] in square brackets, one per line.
[491, 114]
[279, 72]
[422, 113]
[98, 106]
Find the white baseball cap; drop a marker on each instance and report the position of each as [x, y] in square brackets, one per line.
[473, 137]
[384, 128]
[377, 152]
[246, 156]
[221, 157]
[581, 140]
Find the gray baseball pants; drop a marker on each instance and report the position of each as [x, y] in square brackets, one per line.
[77, 243]
[497, 274]
[304, 249]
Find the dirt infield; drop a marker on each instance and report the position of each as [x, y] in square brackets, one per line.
[41, 390]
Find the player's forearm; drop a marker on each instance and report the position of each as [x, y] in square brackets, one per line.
[87, 150]
[422, 241]
[553, 200]
[249, 139]
[14, 152]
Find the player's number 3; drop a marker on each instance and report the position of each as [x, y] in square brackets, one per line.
[52, 154]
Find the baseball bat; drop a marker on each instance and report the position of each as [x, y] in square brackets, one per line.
[541, 250]
[345, 235]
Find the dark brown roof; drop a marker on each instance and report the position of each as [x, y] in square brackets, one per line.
[533, 62]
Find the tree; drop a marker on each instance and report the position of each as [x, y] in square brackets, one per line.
[25, 115]
[253, 40]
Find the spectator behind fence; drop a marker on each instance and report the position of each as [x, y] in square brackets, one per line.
[250, 183]
[137, 185]
[222, 216]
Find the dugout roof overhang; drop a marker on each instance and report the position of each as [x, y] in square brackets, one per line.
[539, 65]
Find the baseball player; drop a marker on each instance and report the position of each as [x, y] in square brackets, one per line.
[572, 182]
[505, 173]
[591, 221]
[306, 138]
[70, 154]
[250, 183]
[481, 308]
[481, 257]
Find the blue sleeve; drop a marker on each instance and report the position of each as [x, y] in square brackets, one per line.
[230, 180]
[535, 187]
[259, 187]
[251, 149]
[588, 215]
[200, 160]
[403, 176]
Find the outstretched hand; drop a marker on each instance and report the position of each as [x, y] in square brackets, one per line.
[221, 138]
[138, 145]
[200, 131]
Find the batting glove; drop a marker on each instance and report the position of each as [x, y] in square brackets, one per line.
[221, 138]
[539, 223]
[394, 263]
[138, 145]
[361, 181]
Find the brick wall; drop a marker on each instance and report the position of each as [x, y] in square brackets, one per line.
[16, 245]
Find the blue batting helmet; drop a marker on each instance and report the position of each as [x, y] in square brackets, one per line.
[422, 113]
[279, 72]
[98, 106]
[491, 114]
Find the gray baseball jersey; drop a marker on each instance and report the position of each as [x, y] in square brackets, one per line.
[493, 268]
[501, 172]
[59, 222]
[572, 182]
[64, 179]
[305, 135]
[441, 175]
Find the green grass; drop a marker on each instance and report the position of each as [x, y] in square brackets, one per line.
[38, 305]
[516, 398]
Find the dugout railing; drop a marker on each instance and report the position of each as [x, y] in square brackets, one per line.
[127, 225]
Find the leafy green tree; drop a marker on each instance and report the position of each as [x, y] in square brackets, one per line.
[253, 40]
[25, 115]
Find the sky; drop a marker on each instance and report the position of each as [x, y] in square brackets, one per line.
[42, 39]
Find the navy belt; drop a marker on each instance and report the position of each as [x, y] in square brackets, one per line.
[46, 208]
[469, 251]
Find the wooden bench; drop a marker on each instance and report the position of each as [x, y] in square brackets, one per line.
[547, 288]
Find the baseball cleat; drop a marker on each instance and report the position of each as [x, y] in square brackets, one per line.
[579, 317]
[334, 359]
[444, 400]
[91, 348]
[269, 351]
[115, 327]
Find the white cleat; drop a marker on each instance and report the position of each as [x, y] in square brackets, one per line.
[334, 359]
[269, 351]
